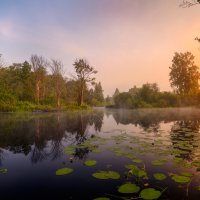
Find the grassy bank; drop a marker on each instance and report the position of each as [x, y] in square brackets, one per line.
[25, 106]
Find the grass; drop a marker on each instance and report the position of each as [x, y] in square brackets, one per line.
[25, 106]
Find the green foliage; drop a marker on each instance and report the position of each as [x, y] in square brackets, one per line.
[180, 179]
[28, 87]
[64, 171]
[184, 75]
[3, 171]
[90, 163]
[147, 96]
[150, 194]
[106, 175]
[84, 74]
[128, 188]
[159, 176]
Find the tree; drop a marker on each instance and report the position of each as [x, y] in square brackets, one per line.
[184, 75]
[38, 64]
[189, 3]
[84, 73]
[123, 100]
[116, 93]
[19, 80]
[98, 92]
[58, 81]
[149, 92]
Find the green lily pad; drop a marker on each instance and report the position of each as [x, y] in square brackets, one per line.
[101, 198]
[128, 188]
[64, 171]
[150, 194]
[180, 179]
[158, 162]
[106, 175]
[188, 174]
[159, 176]
[130, 166]
[137, 172]
[90, 163]
[3, 171]
[137, 161]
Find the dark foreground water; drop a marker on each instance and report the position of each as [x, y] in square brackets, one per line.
[135, 144]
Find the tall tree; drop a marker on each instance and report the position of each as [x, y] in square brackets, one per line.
[184, 74]
[116, 93]
[149, 92]
[98, 92]
[38, 64]
[84, 73]
[58, 80]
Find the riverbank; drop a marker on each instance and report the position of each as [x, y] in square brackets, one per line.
[24, 106]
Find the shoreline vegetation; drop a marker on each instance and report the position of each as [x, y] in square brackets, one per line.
[41, 86]
[31, 107]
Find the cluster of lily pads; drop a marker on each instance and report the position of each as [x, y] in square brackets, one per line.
[167, 149]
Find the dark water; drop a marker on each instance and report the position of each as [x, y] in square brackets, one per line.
[32, 148]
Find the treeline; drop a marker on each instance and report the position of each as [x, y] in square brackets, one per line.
[147, 96]
[39, 84]
[184, 78]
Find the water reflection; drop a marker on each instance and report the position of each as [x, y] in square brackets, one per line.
[44, 136]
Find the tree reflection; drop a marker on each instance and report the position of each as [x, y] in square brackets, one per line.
[44, 136]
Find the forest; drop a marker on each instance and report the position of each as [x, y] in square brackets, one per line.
[184, 79]
[40, 85]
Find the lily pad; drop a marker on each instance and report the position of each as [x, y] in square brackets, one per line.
[137, 172]
[180, 179]
[188, 174]
[150, 194]
[3, 171]
[64, 171]
[101, 198]
[90, 163]
[159, 176]
[137, 161]
[106, 175]
[128, 188]
[158, 162]
[130, 166]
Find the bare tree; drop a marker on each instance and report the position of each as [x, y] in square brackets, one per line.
[38, 64]
[189, 3]
[84, 74]
[58, 80]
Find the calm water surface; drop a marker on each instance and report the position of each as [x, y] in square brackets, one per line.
[34, 145]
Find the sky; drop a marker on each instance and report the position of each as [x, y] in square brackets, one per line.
[129, 42]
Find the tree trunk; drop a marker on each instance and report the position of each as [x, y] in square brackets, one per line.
[81, 97]
[58, 102]
[37, 92]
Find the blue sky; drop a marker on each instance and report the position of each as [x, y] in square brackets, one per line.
[129, 42]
